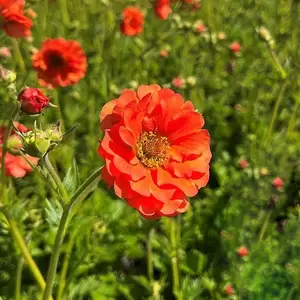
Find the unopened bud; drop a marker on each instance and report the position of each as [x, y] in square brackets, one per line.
[36, 144]
[14, 144]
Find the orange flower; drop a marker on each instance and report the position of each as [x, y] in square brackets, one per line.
[242, 251]
[15, 24]
[235, 47]
[15, 165]
[133, 21]
[60, 62]
[12, 4]
[162, 9]
[155, 151]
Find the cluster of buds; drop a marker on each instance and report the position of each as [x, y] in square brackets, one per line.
[266, 36]
[37, 143]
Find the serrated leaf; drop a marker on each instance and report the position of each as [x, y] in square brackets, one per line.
[53, 213]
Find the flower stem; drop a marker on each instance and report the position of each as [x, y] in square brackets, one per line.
[150, 256]
[87, 187]
[64, 11]
[277, 63]
[265, 226]
[56, 179]
[18, 55]
[14, 115]
[174, 260]
[19, 279]
[23, 247]
[55, 254]
[65, 267]
[275, 110]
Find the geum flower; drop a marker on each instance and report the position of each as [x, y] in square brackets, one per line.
[133, 21]
[15, 165]
[162, 9]
[12, 19]
[60, 63]
[155, 151]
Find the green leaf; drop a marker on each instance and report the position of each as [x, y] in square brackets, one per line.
[72, 180]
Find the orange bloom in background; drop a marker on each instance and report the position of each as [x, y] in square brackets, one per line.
[235, 47]
[155, 151]
[15, 24]
[242, 251]
[133, 21]
[15, 165]
[164, 53]
[60, 62]
[13, 21]
[200, 28]
[244, 163]
[228, 289]
[277, 183]
[12, 4]
[178, 82]
[162, 9]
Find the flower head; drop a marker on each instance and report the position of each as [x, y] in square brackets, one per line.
[155, 150]
[15, 24]
[33, 101]
[235, 47]
[60, 62]
[277, 183]
[178, 82]
[133, 21]
[5, 52]
[242, 251]
[162, 9]
[164, 53]
[228, 289]
[244, 163]
[15, 164]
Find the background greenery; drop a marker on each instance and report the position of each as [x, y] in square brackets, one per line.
[250, 103]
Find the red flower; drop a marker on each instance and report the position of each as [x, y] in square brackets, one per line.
[12, 4]
[244, 163]
[201, 28]
[164, 53]
[155, 151]
[178, 82]
[15, 24]
[60, 62]
[15, 165]
[228, 289]
[242, 251]
[5, 52]
[235, 47]
[33, 101]
[133, 21]
[162, 9]
[277, 183]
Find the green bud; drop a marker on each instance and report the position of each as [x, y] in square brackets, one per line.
[36, 143]
[14, 144]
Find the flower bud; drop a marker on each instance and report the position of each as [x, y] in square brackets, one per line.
[14, 144]
[242, 251]
[7, 75]
[33, 101]
[36, 143]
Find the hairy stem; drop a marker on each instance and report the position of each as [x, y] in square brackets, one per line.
[174, 260]
[56, 179]
[65, 267]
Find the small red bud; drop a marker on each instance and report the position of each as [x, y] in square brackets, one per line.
[277, 183]
[33, 101]
[242, 251]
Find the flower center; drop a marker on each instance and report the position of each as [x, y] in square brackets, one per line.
[152, 149]
[56, 60]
